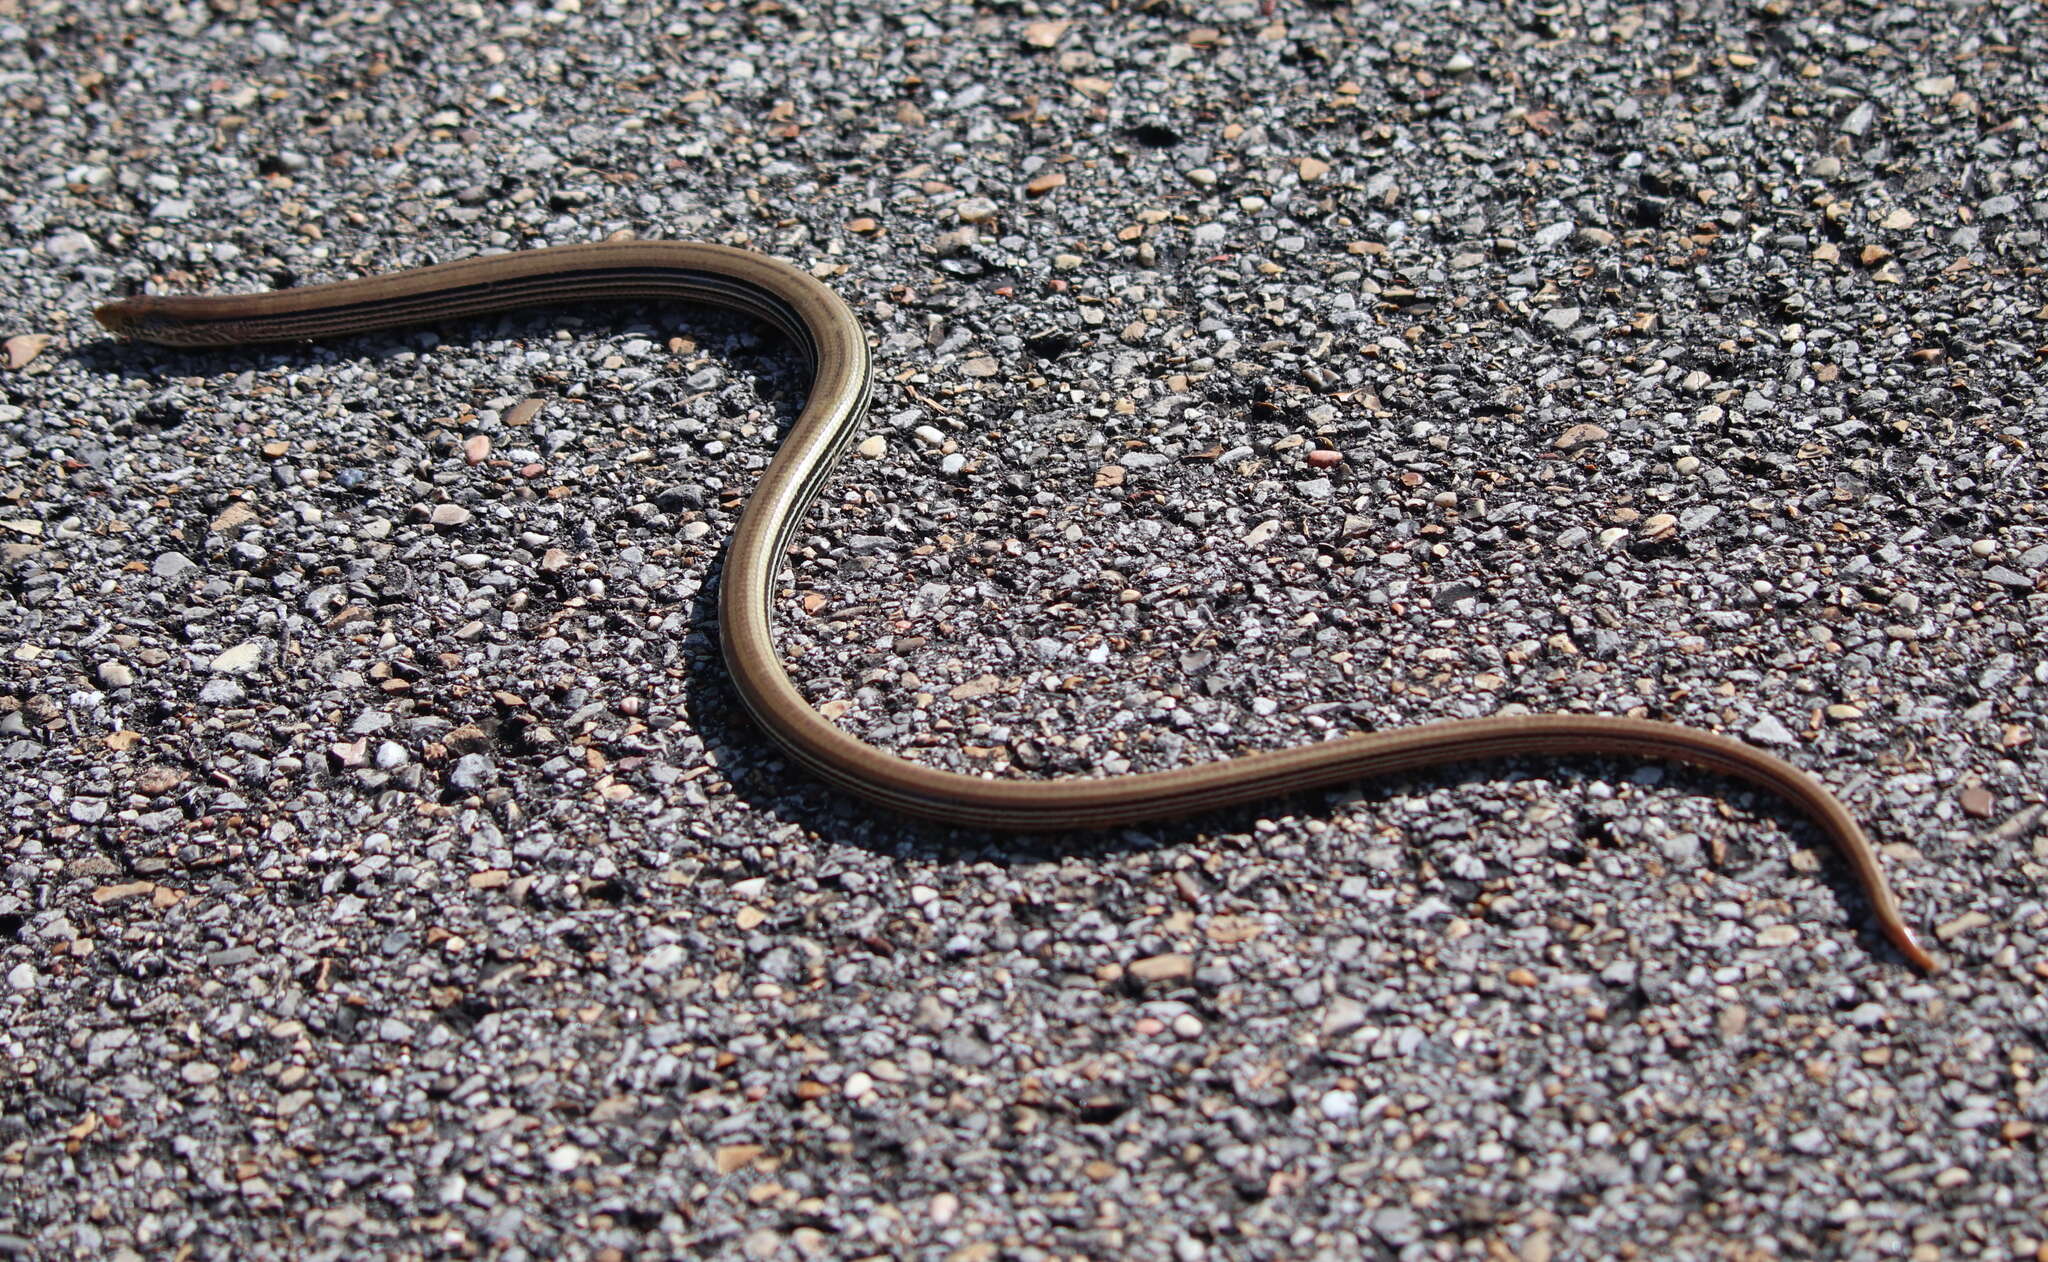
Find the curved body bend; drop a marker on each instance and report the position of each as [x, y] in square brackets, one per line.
[831, 338]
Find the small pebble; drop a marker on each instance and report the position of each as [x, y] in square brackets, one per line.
[22, 348]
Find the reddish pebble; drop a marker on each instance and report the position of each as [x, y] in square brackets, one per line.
[1323, 458]
[476, 447]
[532, 470]
[1977, 802]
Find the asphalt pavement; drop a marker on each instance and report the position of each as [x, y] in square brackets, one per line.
[390, 873]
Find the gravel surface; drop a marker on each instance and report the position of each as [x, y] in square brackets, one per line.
[388, 872]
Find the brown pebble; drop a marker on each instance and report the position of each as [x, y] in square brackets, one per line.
[1163, 968]
[523, 412]
[1777, 935]
[23, 348]
[979, 686]
[1045, 34]
[476, 447]
[1731, 1020]
[1580, 435]
[232, 516]
[1323, 458]
[156, 780]
[1040, 185]
[1312, 169]
[449, 515]
[121, 893]
[276, 450]
[1949, 930]
[1977, 802]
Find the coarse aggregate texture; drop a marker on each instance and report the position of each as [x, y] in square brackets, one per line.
[389, 873]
